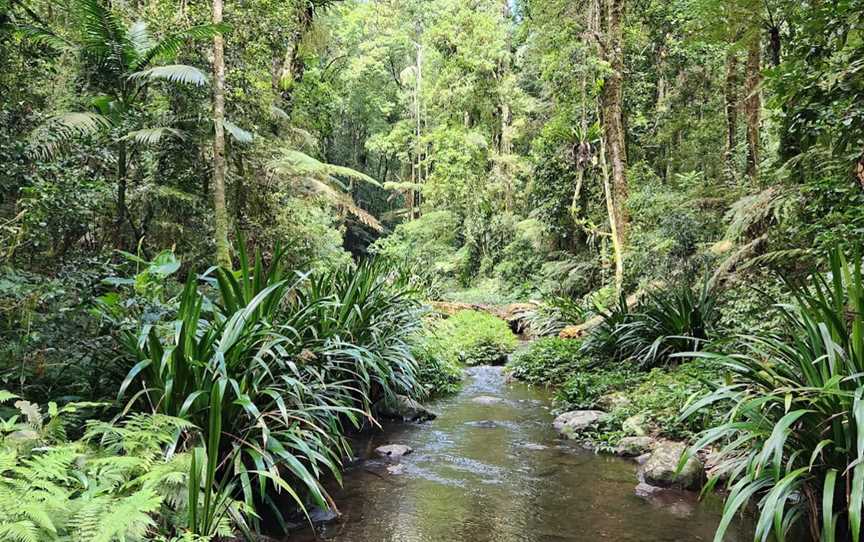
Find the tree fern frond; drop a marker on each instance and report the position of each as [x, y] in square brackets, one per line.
[175, 73]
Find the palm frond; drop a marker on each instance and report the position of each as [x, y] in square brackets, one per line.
[153, 136]
[175, 73]
[169, 46]
[103, 35]
[41, 36]
[54, 134]
[238, 134]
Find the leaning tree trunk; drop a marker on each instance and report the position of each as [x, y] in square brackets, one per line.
[223, 255]
[613, 127]
[753, 104]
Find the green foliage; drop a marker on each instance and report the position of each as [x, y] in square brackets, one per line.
[793, 413]
[584, 389]
[110, 486]
[273, 370]
[549, 360]
[473, 338]
[667, 323]
[438, 371]
[428, 246]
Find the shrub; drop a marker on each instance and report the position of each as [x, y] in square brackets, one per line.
[438, 373]
[667, 323]
[475, 338]
[584, 388]
[273, 370]
[793, 436]
[549, 360]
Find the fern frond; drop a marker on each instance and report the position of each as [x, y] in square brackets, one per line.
[20, 531]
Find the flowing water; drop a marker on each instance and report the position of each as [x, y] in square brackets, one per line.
[493, 470]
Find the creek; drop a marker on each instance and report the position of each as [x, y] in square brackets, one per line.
[491, 468]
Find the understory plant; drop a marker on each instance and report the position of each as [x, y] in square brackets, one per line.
[271, 372]
[115, 484]
[475, 338]
[549, 360]
[793, 439]
[663, 324]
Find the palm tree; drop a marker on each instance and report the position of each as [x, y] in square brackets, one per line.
[121, 62]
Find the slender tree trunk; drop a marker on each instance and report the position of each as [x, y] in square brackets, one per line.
[120, 219]
[753, 104]
[220, 210]
[613, 127]
[613, 211]
[731, 98]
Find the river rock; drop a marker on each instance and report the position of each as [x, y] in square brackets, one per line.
[393, 451]
[571, 424]
[486, 400]
[611, 401]
[635, 425]
[405, 409]
[661, 469]
[634, 446]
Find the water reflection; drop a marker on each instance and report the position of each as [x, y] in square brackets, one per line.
[494, 471]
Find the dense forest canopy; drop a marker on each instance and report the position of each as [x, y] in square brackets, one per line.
[181, 179]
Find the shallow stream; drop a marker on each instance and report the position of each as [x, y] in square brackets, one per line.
[493, 470]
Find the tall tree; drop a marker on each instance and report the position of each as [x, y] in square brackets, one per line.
[220, 209]
[753, 102]
[613, 129]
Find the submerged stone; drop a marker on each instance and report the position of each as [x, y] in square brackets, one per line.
[571, 424]
[393, 451]
[486, 400]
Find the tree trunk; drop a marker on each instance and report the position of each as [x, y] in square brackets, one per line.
[753, 104]
[731, 97]
[121, 195]
[613, 127]
[220, 210]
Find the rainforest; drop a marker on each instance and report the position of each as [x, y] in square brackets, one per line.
[431, 270]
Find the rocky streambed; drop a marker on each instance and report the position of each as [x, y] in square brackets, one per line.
[492, 467]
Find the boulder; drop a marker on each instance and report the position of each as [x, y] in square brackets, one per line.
[486, 400]
[635, 425]
[571, 424]
[393, 451]
[404, 409]
[661, 469]
[634, 446]
[611, 401]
